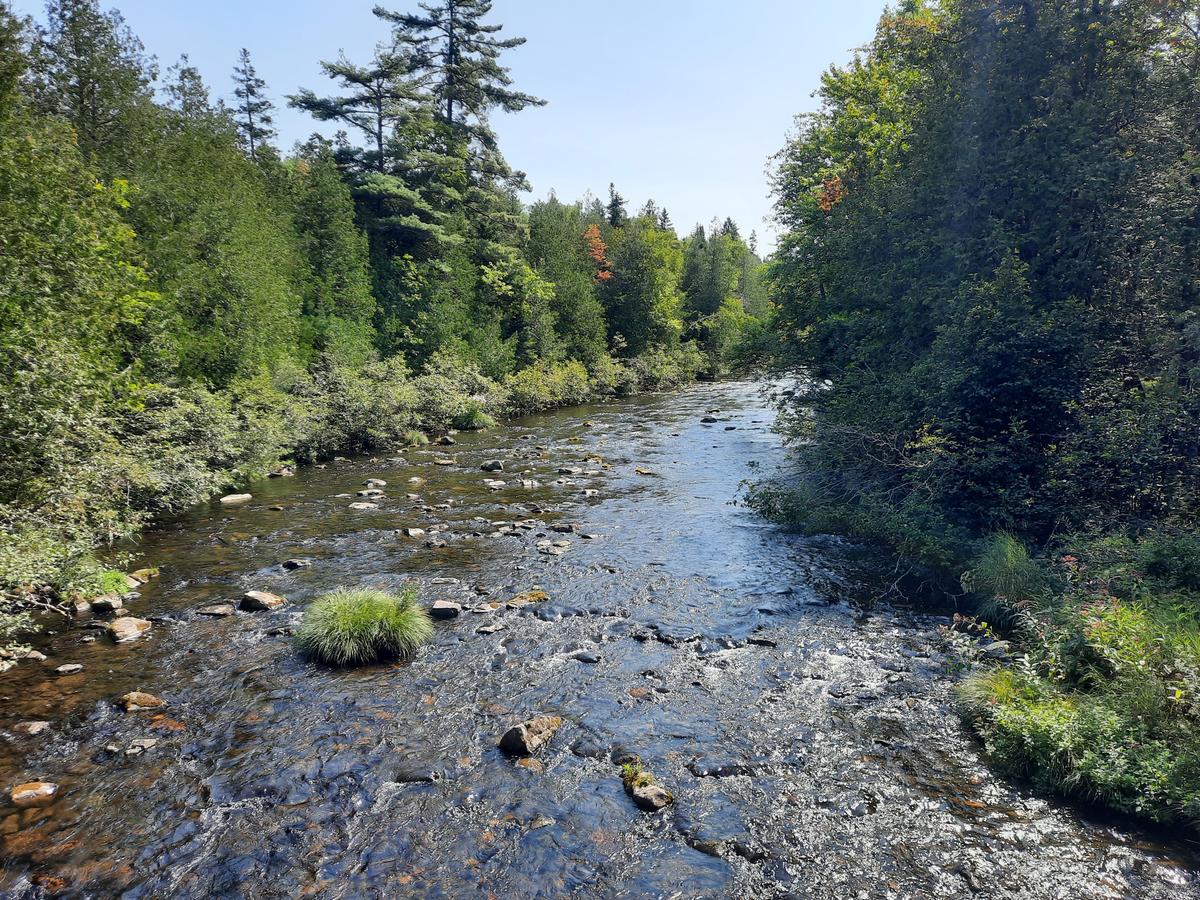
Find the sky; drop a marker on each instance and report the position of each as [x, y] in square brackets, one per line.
[682, 101]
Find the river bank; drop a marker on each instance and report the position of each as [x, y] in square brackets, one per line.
[813, 749]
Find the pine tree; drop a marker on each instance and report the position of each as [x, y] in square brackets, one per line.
[730, 229]
[376, 100]
[615, 211]
[254, 111]
[457, 58]
[664, 220]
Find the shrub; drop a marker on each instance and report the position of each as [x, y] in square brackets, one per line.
[357, 627]
[1105, 703]
[472, 417]
[548, 386]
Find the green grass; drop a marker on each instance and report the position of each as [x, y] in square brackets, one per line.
[415, 438]
[358, 627]
[1105, 702]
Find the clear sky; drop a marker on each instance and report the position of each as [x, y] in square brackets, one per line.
[679, 100]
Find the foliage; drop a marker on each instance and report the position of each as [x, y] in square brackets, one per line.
[981, 359]
[358, 627]
[1105, 702]
[181, 307]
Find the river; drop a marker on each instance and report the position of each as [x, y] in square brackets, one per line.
[811, 743]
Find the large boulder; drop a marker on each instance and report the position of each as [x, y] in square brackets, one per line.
[530, 737]
[234, 499]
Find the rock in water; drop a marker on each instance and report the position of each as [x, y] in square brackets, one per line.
[135, 700]
[32, 729]
[446, 609]
[708, 420]
[261, 601]
[293, 564]
[127, 629]
[34, 793]
[530, 737]
[493, 465]
[69, 669]
[651, 797]
[217, 610]
[526, 598]
[233, 499]
[107, 603]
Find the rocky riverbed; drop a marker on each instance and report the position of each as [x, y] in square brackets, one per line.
[590, 573]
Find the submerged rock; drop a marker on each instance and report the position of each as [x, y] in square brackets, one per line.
[364, 506]
[141, 745]
[217, 610]
[293, 564]
[261, 601]
[31, 729]
[127, 628]
[141, 576]
[527, 598]
[69, 669]
[34, 794]
[709, 420]
[233, 499]
[530, 737]
[136, 700]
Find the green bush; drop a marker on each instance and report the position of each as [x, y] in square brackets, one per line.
[548, 386]
[357, 627]
[473, 417]
[1105, 702]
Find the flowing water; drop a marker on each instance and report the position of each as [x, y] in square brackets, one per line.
[811, 744]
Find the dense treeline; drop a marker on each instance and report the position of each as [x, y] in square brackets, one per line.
[183, 307]
[990, 271]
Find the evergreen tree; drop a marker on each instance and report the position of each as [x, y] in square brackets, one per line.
[664, 220]
[91, 70]
[254, 110]
[615, 211]
[376, 100]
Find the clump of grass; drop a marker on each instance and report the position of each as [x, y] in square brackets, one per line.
[473, 417]
[414, 438]
[358, 627]
[634, 775]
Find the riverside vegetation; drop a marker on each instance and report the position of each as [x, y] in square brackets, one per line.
[989, 270]
[182, 306]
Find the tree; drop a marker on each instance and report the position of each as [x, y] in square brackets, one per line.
[615, 211]
[254, 109]
[456, 57]
[89, 69]
[375, 100]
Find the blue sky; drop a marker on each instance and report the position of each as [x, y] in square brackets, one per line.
[679, 100]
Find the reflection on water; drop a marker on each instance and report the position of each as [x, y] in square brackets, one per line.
[812, 752]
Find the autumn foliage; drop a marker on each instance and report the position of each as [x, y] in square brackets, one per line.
[598, 252]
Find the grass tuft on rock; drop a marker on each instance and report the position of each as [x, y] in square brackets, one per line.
[359, 627]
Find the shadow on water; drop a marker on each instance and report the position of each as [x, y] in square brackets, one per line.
[813, 751]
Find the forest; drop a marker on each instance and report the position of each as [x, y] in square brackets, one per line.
[184, 306]
[990, 272]
[915, 488]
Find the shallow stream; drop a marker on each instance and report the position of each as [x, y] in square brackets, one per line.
[811, 745]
